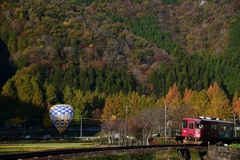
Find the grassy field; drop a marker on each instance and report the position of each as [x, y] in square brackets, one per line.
[169, 154]
[32, 147]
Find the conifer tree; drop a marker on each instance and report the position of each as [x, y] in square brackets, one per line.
[51, 94]
[9, 88]
[172, 94]
[118, 106]
[79, 105]
[67, 94]
[108, 108]
[219, 103]
[133, 98]
[236, 103]
[199, 101]
[219, 106]
[212, 89]
[37, 99]
[187, 95]
[24, 87]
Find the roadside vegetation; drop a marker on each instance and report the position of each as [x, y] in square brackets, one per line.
[118, 63]
[126, 155]
[234, 146]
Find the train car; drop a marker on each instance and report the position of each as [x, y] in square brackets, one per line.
[207, 130]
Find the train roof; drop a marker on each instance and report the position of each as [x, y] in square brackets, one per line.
[207, 119]
[215, 120]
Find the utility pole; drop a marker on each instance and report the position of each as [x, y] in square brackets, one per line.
[234, 123]
[109, 131]
[24, 121]
[81, 128]
[165, 118]
[126, 129]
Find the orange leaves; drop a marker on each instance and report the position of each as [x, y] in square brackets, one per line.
[172, 94]
[187, 95]
[236, 104]
[213, 102]
[212, 89]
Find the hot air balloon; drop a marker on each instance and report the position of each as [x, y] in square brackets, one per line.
[61, 116]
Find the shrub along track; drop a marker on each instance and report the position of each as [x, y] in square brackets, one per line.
[77, 153]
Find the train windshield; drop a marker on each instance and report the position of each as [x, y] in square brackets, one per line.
[198, 125]
[184, 124]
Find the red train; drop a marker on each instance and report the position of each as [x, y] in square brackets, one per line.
[207, 130]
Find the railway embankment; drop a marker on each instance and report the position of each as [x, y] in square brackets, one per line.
[223, 153]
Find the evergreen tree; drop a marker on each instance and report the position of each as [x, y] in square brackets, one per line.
[56, 78]
[9, 88]
[51, 94]
[24, 87]
[99, 80]
[37, 99]
[67, 95]
[79, 105]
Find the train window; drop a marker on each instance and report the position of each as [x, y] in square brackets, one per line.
[214, 127]
[198, 125]
[191, 126]
[229, 127]
[223, 128]
[184, 124]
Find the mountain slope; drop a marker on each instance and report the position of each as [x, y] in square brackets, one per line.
[139, 36]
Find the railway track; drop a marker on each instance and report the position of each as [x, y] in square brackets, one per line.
[67, 153]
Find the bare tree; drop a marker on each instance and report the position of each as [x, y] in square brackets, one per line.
[145, 122]
[115, 129]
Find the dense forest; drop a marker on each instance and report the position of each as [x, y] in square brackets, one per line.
[100, 56]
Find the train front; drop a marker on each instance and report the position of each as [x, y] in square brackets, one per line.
[191, 128]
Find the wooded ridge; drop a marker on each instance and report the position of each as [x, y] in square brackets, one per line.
[100, 56]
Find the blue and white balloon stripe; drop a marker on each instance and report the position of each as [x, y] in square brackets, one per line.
[61, 116]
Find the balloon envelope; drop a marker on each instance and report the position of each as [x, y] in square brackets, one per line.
[61, 116]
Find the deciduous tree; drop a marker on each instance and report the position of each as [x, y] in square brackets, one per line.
[236, 103]
[172, 94]
[219, 106]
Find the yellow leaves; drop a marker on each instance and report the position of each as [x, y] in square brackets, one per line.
[65, 23]
[219, 106]
[116, 105]
[114, 117]
[8, 88]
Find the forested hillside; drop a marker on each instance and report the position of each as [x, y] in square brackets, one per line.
[100, 56]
